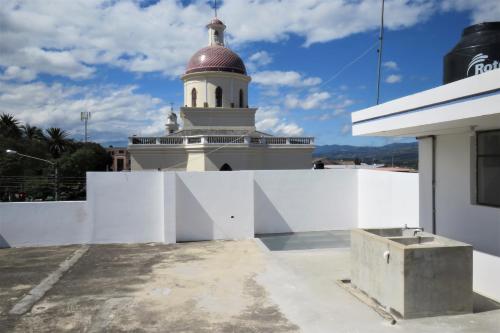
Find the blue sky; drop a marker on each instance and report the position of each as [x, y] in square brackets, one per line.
[122, 60]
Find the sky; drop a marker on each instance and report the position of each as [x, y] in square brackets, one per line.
[312, 62]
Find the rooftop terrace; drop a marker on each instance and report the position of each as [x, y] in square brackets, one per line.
[216, 286]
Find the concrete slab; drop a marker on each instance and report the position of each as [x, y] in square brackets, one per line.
[191, 287]
[306, 240]
[220, 286]
[22, 269]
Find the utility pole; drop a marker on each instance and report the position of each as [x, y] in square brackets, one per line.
[85, 116]
[381, 44]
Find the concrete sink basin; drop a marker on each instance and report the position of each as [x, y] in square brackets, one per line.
[412, 273]
[417, 240]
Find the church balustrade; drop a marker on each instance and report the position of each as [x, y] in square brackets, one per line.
[220, 139]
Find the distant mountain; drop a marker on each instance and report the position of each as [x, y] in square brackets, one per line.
[403, 154]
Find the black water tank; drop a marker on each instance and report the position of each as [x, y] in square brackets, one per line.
[477, 52]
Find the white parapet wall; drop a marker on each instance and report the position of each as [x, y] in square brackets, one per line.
[387, 199]
[44, 223]
[305, 200]
[486, 274]
[214, 205]
[126, 207]
[152, 206]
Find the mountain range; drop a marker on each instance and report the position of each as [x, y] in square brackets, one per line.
[397, 154]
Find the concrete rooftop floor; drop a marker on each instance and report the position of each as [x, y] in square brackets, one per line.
[218, 286]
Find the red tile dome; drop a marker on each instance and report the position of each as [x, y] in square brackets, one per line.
[216, 58]
[215, 20]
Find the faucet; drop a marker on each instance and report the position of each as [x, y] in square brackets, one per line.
[417, 229]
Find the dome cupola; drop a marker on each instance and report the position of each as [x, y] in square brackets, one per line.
[215, 57]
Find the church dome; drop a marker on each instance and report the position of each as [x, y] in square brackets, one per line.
[216, 58]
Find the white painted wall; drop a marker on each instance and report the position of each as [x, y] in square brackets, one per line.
[456, 216]
[425, 182]
[305, 200]
[387, 199]
[43, 223]
[486, 274]
[126, 207]
[185, 206]
[214, 205]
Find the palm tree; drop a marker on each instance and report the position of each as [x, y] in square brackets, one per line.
[9, 126]
[57, 140]
[32, 132]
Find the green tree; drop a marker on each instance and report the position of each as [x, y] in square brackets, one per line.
[89, 157]
[58, 141]
[9, 126]
[32, 132]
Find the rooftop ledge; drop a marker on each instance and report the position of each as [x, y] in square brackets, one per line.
[218, 140]
[451, 108]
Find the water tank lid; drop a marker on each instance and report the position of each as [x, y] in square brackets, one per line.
[485, 26]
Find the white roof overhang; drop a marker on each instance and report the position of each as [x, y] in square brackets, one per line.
[452, 108]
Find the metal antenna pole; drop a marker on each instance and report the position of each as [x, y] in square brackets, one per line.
[85, 116]
[381, 44]
[215, 7]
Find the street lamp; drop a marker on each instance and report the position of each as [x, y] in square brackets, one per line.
[56, 178]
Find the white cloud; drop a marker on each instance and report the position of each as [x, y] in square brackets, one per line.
[326, 115]
[317, 21]
[393, 78]
[346, 129]
[116, 111]
[391, 65]
[18, 74]
[289, 129]
[314, 100]
[284, 78]
[71, 38]
[270, 120]
[258, 59]
[318, 100]
[480, 10]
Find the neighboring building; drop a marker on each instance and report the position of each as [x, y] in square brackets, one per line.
[458, 129]
[121, 158]
[219, 130]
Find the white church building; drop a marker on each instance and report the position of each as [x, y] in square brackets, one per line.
[218, 130]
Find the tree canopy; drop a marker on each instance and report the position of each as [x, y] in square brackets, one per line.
[22, 177]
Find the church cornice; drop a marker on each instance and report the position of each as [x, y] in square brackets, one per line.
[210, 74]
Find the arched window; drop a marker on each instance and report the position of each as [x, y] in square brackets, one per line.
[241, 98]
[218, 97]
[226, 167]
[193, 98]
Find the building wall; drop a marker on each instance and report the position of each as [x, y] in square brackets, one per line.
[239, 159]
[456, 216]
[119, 154]
[287, 158]
[388, 199]
[218, 118]
[425, 167]
[172, 159]
[206, 83]
[205, 158]
[305, 200]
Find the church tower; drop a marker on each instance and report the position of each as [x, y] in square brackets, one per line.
[218, 126]
[216, 87]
